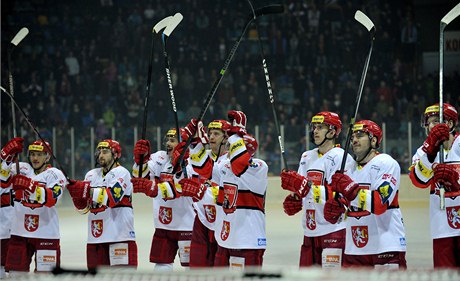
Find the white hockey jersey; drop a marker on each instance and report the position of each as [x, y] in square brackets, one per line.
[33, 216]
[374, 221]
[443, 223]
[319, 169]
[111, 218]
[176, 214]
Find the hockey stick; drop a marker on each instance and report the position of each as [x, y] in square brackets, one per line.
[14, 43]
[271, 9]
[36, 132]
[269, 86]
[163, 23]
[450, 16]
[369, 25]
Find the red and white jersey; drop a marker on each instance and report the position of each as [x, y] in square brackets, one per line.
[34, 215]
[374, 220]
[111, 218]
[319, 169]
[175, 214]
[444, 223]
[245, 194]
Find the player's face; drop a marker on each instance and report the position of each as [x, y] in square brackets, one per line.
[360, 143]
[319, 131]
[432, 121]
[105, 158]
[38, 159]
[170, 143]
[215, 139]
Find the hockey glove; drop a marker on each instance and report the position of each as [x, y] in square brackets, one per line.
[237, 123]
[193, 188]
[142, 147]
[294, 182]
[333, 209]
[11, 149]
[447, 175]
[292, 205]
[148, 187]
[79, 189]
[344, 185]
[433, 142]
[21, 182]
[176, 154]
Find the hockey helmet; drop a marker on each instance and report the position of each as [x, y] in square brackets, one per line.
[113, 145]
[330, 118]
[450, 113]
[369, 127]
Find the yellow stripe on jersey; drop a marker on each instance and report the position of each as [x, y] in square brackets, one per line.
[101, 196]
[39, 194]
[317, 194]
[197, 157]
[5, 173]
[215, 192]
[424, 170]
[362, 199]
[165, 190]
[235, 146]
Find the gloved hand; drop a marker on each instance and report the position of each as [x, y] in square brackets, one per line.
[294, 182]
[333, 209]
[148, 187]
[433, 142]
[176, 153]
[292, 205]
[191, 127]
[237, 123]
[79, 189]
[11, 149]
[193, 188]
[142, 147]
[344, 185]
[21, 182]
[447, 175]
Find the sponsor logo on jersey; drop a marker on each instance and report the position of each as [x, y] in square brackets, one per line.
[360, 235]
[97, 227]
[210, 211]
[311, 221]
[316, 176]
[261, 242]
[31, 222]
[165, 215]
[225, 232]
[453, 216]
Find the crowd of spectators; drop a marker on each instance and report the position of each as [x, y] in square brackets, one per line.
[84, 64]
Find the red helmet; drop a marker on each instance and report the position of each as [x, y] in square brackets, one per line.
[330, 118]
[113, 145]
[40, 145]
[219, 125]
[450, 113]
[251, 144]
[369, 127]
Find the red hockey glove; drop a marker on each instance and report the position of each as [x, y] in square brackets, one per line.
[333, 209]
[436, 137]
[345, 185]
[176, 153]
[21, 182]
[79, 189]
[191, 127]
[148, 187]
[80, 203]
[202, 135]
[193, 188]
[237, 123]
[447, 175]
[292, 205]
[11, 149]
[294, 182]
[142, 147]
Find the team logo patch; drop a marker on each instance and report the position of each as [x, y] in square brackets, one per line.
[311, 221]
[165, 215]
[316, 177]
[360, 235]
[453, 216]
[230, 195]
[97, 227]
[385, 190]
[31, 222]
[225, 232]
[210, 211]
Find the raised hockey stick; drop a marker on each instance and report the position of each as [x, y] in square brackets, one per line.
[450, 16]
[36, 132]
[271, 9]
[163, 23]
[369, 25]
[14, 43]
[269, 86]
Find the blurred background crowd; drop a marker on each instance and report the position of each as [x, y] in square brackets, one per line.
[84, 64]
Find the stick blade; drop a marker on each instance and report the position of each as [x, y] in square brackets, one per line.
[173, 23]
[19, 36]
[451, 15]
[364, 20]
[162, 24]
